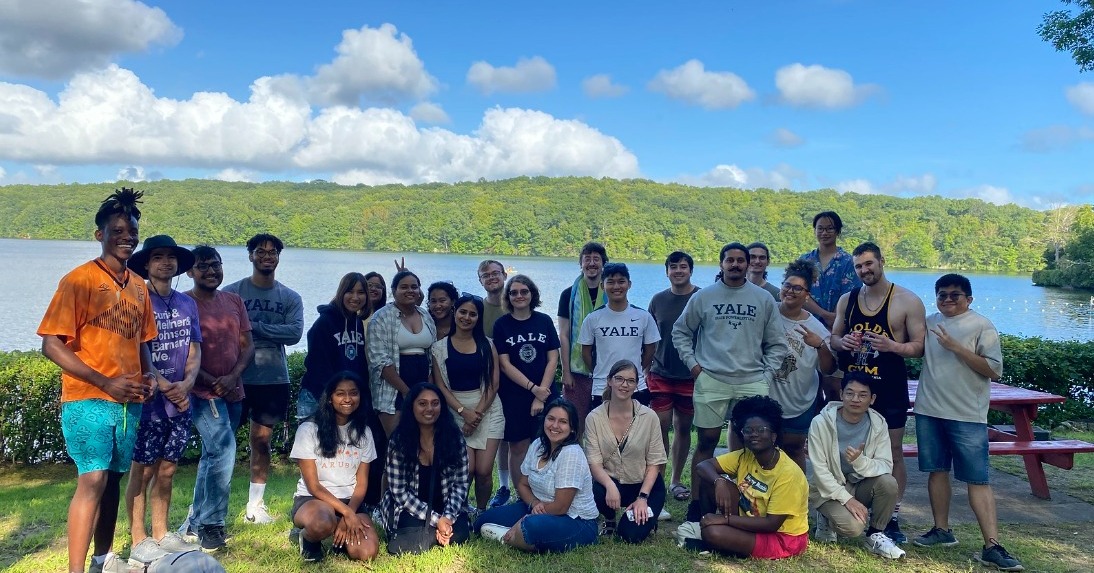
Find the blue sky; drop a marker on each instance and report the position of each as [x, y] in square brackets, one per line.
[960, 99]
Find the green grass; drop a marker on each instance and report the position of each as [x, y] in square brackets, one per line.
[34, 501]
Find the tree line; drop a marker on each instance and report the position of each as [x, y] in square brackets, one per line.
[547, 216]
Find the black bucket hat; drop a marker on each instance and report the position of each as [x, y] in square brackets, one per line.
[140, 258]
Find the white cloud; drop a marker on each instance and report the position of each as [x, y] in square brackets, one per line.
[528, 75]
[378, 64]
[1081, 96]
[601, 86]
[428, 112]
[692, 84]
[989, 193]
[54, 38]
[819, 87]
[3, 174]
[783, 137]
[1055, 137]
[134, 173]
[782, 177]
[508, 143]
[901, 186]
[232, 174]
[110, 117]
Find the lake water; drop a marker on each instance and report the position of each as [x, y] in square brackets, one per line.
[34, 267]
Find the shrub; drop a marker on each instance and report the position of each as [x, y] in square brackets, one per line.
[30, 409]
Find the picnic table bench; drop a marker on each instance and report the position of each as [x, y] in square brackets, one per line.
[1022, 404]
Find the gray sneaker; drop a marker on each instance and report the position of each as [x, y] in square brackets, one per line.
[997, 557]
[113, 564]
[173, 543]
[147, 551]
[936, 536]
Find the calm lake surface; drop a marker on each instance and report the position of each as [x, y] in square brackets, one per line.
[34, 267]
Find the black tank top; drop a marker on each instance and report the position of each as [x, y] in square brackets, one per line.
[887, 368]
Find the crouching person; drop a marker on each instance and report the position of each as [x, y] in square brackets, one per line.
[334, 448]
[852, 469]
[753, 501]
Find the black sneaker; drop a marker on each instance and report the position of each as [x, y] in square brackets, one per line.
[893, 532]
[212, 538]
[501, 497]
[311, 551]
[997, 557]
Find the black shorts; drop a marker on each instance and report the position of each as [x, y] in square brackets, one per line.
[299, 501]
[266, 404]
[895, 418]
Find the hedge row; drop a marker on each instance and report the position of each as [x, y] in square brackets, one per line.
[30, 430]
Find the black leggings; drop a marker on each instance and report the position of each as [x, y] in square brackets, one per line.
[628, 530]
[413, 535]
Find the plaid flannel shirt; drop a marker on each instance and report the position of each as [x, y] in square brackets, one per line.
[382, 350]
[402, 487]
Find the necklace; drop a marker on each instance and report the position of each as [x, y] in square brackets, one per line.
[866, 302]
[770, 462]
[166, 301]
[119, 284]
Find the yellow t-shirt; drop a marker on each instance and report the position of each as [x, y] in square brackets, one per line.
[781, 490]
[103, 322]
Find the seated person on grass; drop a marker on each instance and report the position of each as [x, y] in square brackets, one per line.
[753, 501]
[852, 469]
[425, 504]
[334, 448]
[626, 454]
[556, 511]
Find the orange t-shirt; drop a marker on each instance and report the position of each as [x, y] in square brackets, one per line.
[102, 322]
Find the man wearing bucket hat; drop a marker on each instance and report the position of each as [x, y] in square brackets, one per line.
[165, 418]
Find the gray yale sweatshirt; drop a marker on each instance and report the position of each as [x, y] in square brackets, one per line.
[277, 320]
[738, 336]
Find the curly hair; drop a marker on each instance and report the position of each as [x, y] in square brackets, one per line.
[762, 407]
[123, 202]
[324, 417]
[803, 269]
[448, 444]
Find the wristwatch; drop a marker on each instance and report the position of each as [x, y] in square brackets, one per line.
[643, 495]
[460, 410]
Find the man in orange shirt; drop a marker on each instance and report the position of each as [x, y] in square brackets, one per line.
[96, 329]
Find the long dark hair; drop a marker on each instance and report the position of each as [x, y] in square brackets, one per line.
[329, 436]
[482, 343]
[345, 285]
[448, 442]
[383, 297]
[545, 451]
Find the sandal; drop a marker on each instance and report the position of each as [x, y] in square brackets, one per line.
[680, 492]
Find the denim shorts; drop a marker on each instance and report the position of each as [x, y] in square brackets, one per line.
[547, 533]
[99, 434]
[945, 443]
[800, 424]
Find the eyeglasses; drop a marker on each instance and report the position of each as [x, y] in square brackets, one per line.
[956, 295]
[490, 275]
[206, 267]
[522, 292]
[263, 253]
[863, 396]
[796, 289]
[825, 229]
[624, 381]
[755, 430]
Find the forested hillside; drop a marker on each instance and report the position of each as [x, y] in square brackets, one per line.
[542, 216]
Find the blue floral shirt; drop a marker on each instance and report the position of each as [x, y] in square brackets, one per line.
[834, 280]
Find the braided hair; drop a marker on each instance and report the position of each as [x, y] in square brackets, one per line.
[123, 202]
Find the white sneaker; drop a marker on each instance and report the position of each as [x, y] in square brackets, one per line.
[880, 544]
[147, 551]
[824, 531]
[258, 514]
[493, 531]
[664, 515]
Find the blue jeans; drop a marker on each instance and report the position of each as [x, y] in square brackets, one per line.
[544, 532]
[306, 405]
[216, 422]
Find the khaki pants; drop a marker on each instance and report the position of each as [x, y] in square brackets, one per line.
[878, 494]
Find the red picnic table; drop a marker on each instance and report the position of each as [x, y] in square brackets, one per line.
[1022, 404]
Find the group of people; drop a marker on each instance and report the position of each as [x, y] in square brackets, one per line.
[402, 408]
